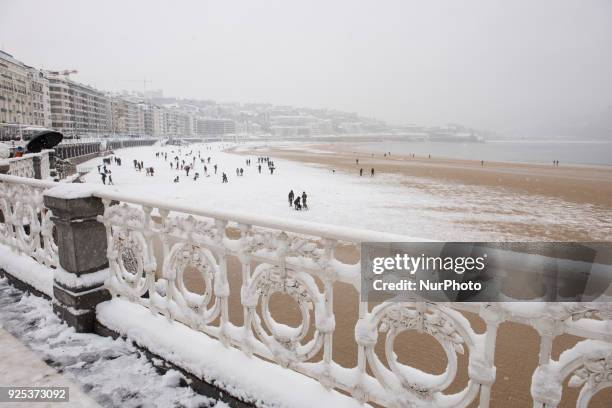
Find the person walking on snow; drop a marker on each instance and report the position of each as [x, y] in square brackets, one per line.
[297, 204]
[291, 196]
[304, 196]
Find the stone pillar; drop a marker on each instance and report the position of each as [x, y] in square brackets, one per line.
[83, 266]
[52, 155]
[52, 171]
[36, 161]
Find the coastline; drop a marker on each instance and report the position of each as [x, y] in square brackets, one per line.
[582, 184]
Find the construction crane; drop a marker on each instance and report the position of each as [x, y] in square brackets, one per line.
[143, 81]
[65, 72]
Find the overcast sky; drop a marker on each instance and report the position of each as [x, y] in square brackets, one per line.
[510, 66]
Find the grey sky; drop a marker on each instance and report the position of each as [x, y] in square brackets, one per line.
[512, 66]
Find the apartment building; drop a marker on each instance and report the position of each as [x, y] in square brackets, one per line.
[177, 123]
[77, 109]
[126, 116]
[24, 93]
[214, 127]
[151, 118]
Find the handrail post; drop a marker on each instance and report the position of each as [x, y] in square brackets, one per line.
[78, 282]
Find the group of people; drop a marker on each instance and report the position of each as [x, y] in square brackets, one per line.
[105, 172]
[264, 160]
[298, 202]
[188, 165]
[138, 165]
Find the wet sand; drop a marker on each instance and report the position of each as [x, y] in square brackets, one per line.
[589, 187]
[573, 183]
[516, 354]
[517, 345]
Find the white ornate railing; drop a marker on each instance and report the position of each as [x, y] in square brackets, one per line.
[45, 169]
[25, 223]
[22, 166]
[299, 260]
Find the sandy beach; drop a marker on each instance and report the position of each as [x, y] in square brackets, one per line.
[516, 354]
[517, 345]
[564, 185]
[517, 351]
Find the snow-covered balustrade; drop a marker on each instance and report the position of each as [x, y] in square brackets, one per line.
[31, 165]
[25, 223]
[21, 166]
[152, 245]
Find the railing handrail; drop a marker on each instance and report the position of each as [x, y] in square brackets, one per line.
[7, 178]
[286, 265]
[301, 227]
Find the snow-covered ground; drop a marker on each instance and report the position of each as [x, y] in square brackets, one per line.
[386, 202]
[112, 372]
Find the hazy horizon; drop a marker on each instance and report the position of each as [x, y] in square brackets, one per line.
[518, 68]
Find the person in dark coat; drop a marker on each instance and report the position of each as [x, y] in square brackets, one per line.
[304, 196]
[291, 196]
[297, 204]
[224, 178]
[372, 172]
[103, 178]
[361, 172]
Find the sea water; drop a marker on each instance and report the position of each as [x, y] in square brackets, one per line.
[574, 152]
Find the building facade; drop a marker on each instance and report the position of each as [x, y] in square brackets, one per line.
[77, 109]
[24, 94]
[214, 127]
[152, 117]
[126, 118]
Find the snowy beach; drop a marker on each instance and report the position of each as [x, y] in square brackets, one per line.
[431, 202]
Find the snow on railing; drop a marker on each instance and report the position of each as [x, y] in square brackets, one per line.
[25, 165]
[152, 245]
[25, 223]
